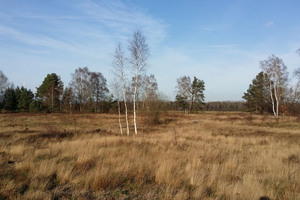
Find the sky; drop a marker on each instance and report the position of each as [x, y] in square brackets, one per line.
[220, 42]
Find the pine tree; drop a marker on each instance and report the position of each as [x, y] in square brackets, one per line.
[10, 100]
[24, 98]
[257, 95]
[50, 91]
[197, 88]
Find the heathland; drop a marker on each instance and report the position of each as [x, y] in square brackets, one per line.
[211, 155]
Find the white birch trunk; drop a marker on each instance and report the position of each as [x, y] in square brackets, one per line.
[276, 88]
[134, 99]
[276, 99]
[271, 94]
[125, 103]
[119, 112]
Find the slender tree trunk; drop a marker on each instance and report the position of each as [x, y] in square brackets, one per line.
[125, 104]
[276, 88]
[134, 99]
[124, 95]
[272, 99]
[192, 102]
[276, 99]
[119, 112]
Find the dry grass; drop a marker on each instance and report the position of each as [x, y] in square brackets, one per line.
[205, 156]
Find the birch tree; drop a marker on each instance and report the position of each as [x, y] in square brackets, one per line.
[139, 53]
[119, 71]
[98, 87]
[80, 85]
[89, 88]
[277, 74]
[3, 84]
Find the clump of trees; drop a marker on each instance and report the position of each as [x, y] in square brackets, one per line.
[139, 91]
[16, 99]
[271, 92]
[190, 95]
[87, 92]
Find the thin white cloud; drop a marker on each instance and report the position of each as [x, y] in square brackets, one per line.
[269, 24]
[42, 41]
[29, 39]
[124, 19]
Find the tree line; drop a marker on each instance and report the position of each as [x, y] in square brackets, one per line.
[272, 91]
[88, 92]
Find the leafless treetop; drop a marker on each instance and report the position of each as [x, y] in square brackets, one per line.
[139, 50]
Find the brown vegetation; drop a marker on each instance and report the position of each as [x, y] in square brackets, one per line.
[196, 156]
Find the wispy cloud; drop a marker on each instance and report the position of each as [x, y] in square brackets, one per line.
[102, 22]
[269, 24]
[42, 41]
[124, 19]
[29, 39]
[96, 25]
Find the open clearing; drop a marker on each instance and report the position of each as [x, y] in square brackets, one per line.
[194, 156]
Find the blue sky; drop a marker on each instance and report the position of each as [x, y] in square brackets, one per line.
[220, 42]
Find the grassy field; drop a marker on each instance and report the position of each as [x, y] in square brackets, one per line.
[195, 156]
